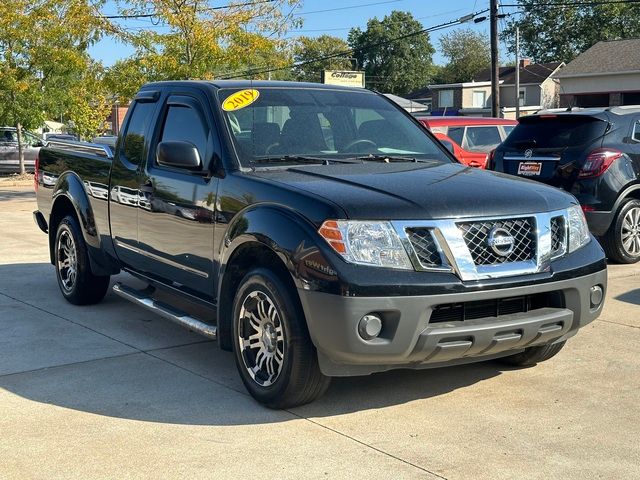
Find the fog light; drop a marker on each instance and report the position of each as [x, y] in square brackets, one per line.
[369, 326]
[596, 296]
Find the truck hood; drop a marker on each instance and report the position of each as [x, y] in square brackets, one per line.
[411, 191]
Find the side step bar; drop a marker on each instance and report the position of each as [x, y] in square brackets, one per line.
[145, 300]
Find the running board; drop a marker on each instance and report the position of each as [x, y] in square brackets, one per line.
[145, 300]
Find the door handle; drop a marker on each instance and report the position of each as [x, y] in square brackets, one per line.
[147, 187]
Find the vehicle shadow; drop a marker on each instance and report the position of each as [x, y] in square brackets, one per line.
[16, 193]
[632, 296]
[188, 380]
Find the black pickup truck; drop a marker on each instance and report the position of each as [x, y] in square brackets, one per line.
[316, 231]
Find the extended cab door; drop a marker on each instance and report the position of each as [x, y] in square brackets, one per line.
[176, 205]
[131, 151]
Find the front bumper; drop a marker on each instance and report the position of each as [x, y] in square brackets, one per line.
[409, 340]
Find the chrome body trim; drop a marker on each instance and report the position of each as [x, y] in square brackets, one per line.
[457, 258]
[532, 158]
[166, 261]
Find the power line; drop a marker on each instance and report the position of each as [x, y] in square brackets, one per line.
[348, 7]
[205, 9]
[572, 4]
[343, 53]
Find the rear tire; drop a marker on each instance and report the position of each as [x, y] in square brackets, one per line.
[533, 355]
[275, 357]
[622, 242]
[77, 282]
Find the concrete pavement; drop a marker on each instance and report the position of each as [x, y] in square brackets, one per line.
[113, 391]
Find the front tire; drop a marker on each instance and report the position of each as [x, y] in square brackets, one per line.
[275, 357]
[533, 355]
[622, 242]
[77, 282]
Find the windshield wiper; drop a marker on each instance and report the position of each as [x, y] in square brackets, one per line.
[386, 158]
[298, 159]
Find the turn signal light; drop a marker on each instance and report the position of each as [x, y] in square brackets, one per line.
[598, 162]
[332, 234]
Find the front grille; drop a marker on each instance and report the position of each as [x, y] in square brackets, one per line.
[459, 312]
[425, 246]
[558, 236]
[476, 236]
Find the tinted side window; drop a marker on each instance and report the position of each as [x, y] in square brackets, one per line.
[456, 134]
[636, 131]
[133, 145]
[184, 124]
[482, 139]
[8, 136]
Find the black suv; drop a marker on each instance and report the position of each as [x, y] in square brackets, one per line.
[593, 154]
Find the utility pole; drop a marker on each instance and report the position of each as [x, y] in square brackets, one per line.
[517, 72]
[495, 68]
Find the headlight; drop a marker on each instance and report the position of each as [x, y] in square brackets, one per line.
[366, 243]
[578, 229]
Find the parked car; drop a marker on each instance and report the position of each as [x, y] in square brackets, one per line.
[109, 140]
[317, 255]
[9, 155]
[471, 138]
[595, 155]
[47, 137]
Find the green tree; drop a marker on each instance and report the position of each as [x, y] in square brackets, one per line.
[43, 54]
[202, 41]
[307, 49]
[559, 33]
[394, 64]
[468, 53]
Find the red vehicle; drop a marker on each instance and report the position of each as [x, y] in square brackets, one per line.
[471, 138]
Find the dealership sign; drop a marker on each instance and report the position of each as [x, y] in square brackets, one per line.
[345, 78]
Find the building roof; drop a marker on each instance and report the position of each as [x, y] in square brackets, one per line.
[613, 56]
[532, 73]
[420, 94]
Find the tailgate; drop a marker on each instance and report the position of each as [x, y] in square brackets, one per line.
[549, 148]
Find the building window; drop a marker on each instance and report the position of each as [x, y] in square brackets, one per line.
[445, 98]
[522, 98]
[479, 98]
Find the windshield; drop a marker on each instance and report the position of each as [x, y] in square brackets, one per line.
[290, 123]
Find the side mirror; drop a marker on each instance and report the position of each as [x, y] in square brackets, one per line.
[39, 143]
[448, 145]
[178, 155]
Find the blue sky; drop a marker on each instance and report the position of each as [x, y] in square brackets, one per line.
[337, 22]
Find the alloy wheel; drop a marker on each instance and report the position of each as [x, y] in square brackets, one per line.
[631, 232]
[67, 261]
[261, 338]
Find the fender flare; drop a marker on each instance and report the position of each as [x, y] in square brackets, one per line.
[70, 187]
[289, 236]
[624, 195]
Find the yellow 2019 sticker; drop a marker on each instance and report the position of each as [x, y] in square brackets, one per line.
[240, 99]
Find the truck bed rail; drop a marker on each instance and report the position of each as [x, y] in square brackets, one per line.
[98, 149]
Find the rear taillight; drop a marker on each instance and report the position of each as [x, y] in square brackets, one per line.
[598, 162]
[35, 172]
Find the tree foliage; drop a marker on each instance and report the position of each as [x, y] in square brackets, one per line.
[394, 64]
[307, 49]
[43, 59]
[559, 33]
[468, 53]
[201, 41]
